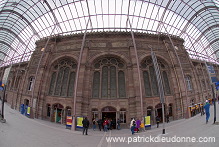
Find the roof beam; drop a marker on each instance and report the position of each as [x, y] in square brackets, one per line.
[215, 40]
[8, 45]
[51, 10]
[196, 14]
[164, 12]
[4, 53]
[22, 17]
[13, 33]
[205, 31]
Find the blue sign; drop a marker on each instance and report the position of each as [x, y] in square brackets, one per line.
[214, 79]
[217, 85]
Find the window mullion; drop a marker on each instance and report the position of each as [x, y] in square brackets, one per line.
[117, 83]
[151, 87]
[69, 74]
[108, 83]
[54, 88]
[63, 72]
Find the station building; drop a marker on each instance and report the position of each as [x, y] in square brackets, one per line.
[108, 84]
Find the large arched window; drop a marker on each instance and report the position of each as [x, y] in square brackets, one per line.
[150, 80]
[109, 78]
[63, 78]
[15, 82]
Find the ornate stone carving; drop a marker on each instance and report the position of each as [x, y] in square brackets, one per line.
[97, 44]
[119, 44]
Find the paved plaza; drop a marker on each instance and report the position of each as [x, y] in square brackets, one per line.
[20, 131]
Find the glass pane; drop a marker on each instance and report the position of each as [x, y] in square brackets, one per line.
[52, 83]
[96, 85]
[113, 82]
[153, 81]
[59, 81]
[121, 80]
[121, 117]
[166, 83]
[105, 82]
[65, 82]
[71, 84]
[147, 84]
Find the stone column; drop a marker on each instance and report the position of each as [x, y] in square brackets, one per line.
[80, 108]
[137, 96]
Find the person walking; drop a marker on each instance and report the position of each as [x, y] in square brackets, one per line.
[207, 111]
[100, 123]
[94, 124]
[132, 125]
[105, 125]
[118, 124]
[168, 118]
[158, 121]
[85, 123]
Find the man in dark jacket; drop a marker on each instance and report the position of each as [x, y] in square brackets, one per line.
[100, 123]
[158, 121]
[85, 123]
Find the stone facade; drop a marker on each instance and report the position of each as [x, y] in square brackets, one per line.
[47, 104]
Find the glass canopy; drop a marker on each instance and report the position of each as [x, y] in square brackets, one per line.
[23, 22]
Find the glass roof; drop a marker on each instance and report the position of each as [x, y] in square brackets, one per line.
[23, 22]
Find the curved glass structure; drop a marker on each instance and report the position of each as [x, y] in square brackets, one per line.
[23, 22]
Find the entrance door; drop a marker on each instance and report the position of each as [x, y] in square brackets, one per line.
[109, 113]
[110, 116]
[160, 112]
[58, 115]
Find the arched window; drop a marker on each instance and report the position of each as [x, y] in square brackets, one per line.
[94, 113]
[17, 82]
[30, 83]
[109, 78]
[188, 83]
[122, 115]
[26, 102]
[63, 78]
[48, 110]
[150, 80]
[149, 111]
